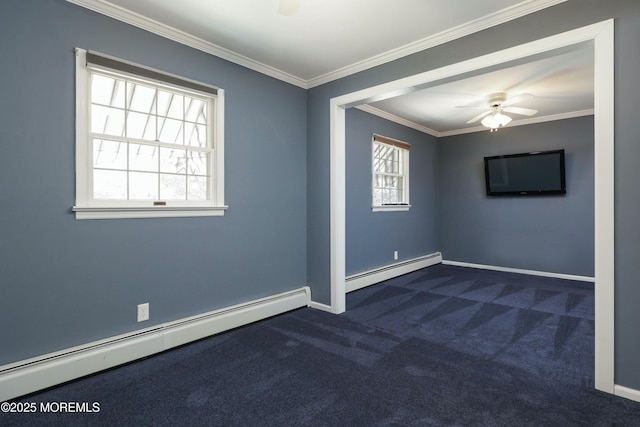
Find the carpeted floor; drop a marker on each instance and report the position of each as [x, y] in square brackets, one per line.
[443, 346]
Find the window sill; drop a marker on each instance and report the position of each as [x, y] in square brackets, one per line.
[83, 212]
[390, 208]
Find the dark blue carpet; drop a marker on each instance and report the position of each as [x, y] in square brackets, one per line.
[443, 346]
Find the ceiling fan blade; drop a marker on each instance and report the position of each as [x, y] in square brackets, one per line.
[522, 111]
[479, 116]
[518, 98]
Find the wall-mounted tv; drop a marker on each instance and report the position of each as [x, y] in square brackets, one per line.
[525, 174]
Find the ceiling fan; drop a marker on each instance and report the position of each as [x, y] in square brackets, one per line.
[498, 104]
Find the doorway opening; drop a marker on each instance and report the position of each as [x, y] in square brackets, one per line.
[601, 35]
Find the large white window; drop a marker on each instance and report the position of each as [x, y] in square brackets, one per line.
[390, 170]
[148, 144]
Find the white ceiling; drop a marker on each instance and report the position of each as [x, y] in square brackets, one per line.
[561, 83]
[329, 39]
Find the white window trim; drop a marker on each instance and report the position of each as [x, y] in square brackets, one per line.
[88, 208]
[405, 161]
[390, 208]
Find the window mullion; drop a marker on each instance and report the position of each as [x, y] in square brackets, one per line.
[113, 97]
[159, 173]
[187, 160]
[149, 116]
[127, 102]
[151, 143]
[164, 116]
[124, 109]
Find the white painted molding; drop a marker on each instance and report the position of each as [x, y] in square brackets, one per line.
[522, 122]
[491, 20]
[28, 376]
[83, 212]
[320, 306]
[601, 34]
[337, 212]
[604, 190]
[124, 15]
[521, 271]
[626, 392]
[397, 119]
[367, 278]
[391, 208]
[528, 121]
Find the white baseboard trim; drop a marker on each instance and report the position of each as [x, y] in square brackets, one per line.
[320, 306]
[367, 278]
[521, 271]
[28, 376]
[626, 392]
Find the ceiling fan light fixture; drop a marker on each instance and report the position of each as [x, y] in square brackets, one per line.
[495, 121]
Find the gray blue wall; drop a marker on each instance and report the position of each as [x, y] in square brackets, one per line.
[554, 20]
[66, 282]
[371, 237]
[543, 233]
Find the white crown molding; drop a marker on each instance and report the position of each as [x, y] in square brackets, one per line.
[488, 21]
[140, 21]
[124, 15]
[397, 119]
[413, 125]
[522, 122]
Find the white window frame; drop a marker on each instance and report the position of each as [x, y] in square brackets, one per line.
[403, 150]
[87, 207]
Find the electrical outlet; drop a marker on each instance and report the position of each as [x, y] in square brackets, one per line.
[143, 312]
[395, 255]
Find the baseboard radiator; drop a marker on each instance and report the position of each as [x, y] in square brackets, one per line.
[27, 376]
[367, 278]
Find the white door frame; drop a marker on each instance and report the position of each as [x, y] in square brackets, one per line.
[602, 36]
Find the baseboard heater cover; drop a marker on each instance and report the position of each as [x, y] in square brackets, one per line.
[27, 376]
[367, 278]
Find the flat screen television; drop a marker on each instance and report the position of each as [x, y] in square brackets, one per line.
[525, 174]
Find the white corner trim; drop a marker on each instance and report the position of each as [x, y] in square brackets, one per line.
[320, 306]
[367, 278]
[124, 15]
[521, 271]
[337, 203]
[626, 392]
[28, 376]
[604, 183]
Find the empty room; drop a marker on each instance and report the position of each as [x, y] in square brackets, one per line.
[305, 212]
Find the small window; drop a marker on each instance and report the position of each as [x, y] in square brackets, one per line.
[148, 144]
[390, 174]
